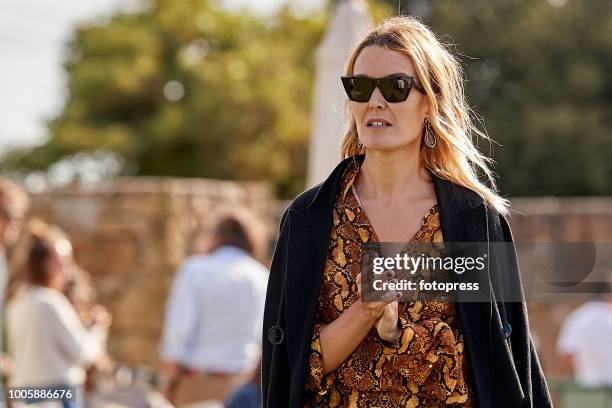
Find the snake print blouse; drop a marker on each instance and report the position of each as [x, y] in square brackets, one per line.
[425, 367]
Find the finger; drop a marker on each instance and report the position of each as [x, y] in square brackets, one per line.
[388, 318]
[391, 310]
[390, 296]
[386, 312]
[398, 295]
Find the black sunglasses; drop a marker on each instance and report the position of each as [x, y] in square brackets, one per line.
[393, 89]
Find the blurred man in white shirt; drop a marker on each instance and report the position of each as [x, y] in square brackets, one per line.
[585, 342]
[214, 317]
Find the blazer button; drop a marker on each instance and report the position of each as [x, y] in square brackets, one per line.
[276, 335]
[507, 329]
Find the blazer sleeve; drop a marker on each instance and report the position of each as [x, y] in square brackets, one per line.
[275, 361]
[524, 353]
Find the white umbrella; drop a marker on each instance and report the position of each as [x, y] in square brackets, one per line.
[349, 23]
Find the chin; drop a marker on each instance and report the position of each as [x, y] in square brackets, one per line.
[378, 144]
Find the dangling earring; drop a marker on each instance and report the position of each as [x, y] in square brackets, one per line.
[359, 144]
[429, 137]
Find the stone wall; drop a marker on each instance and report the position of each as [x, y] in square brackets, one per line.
[132, 234]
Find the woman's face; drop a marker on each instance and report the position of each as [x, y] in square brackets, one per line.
[60, 264]
[406, 118]
[56, 276]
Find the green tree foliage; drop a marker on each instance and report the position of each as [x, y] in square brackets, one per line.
[539, 74]
[186, 89]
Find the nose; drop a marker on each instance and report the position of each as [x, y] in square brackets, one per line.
[377, 100]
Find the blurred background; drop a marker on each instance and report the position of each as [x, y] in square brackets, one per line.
[134, 124]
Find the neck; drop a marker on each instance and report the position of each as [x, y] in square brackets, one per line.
[387, 176]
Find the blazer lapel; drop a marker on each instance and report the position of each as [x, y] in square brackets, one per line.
[462, 219]
[307, 253]
[303, 283]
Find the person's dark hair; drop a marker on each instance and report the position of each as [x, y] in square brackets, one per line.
[36, 270]
[232, 231]
[38, 245]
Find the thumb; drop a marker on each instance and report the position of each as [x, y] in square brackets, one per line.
[390, 312]
[385, 318]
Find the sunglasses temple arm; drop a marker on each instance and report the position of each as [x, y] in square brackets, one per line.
[418, 86]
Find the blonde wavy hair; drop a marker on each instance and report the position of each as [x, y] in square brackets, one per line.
[455, 157]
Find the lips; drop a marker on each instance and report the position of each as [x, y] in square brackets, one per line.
[378, 123]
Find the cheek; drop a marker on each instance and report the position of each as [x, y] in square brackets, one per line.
[408, 116]
[55, 267]
[359, 110]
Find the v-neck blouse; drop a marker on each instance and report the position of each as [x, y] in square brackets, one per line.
[425, 367]
[375, 238]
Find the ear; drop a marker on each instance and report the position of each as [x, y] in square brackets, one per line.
[425, 106]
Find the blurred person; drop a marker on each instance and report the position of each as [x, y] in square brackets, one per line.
[585, 343]
[14, 203]
[211, 341]
[79, 288]
[82, 294]
[248, 395]
[409, 173]
[47, 340]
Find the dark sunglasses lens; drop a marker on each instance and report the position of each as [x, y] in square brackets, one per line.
[359, 89]
[395, 89]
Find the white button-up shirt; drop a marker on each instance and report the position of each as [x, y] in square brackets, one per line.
[214, 316]
[586, 334]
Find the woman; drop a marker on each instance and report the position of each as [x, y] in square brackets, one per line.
[409, 174]
[47, 341]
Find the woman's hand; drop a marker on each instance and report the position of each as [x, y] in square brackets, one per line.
[384, 313]
[342, 336]
[100, 316]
